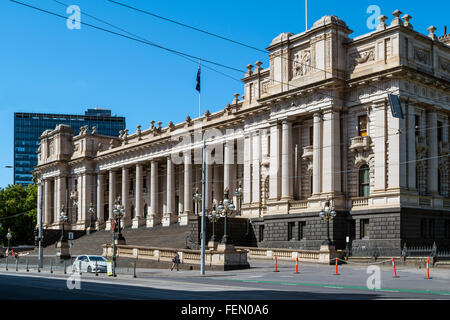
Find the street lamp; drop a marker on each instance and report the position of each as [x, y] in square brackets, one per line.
[327, 214]
[63, 219]
[239, 194]
[197, 200]
[224, 209]
[91, 213]
[9, 236]
[213, 216]
[119, 212]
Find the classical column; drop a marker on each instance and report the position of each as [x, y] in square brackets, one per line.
[433, 161]
[229, 169]
[247, 183]
[286, 161]
[187, 183]
[397, 155]
[274, 174]
[80, 199]
[379, 140]
[87, 193]
[411, 148]
[217, 184]
[125, 192]
[169, 215]
[39, 193]
[180, 175]
[47, 203]
[256, 167]
[331, 153]
[111, 197]
[138, 220]
[55, 214]
[62, 196]
[152, 219]
[100, 200]
[317, 154]
[208, 179]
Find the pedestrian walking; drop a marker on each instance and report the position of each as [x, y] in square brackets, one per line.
[175, 261]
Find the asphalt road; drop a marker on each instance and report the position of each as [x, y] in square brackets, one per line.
[259, 283]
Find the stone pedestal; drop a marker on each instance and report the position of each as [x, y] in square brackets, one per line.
[169, 219]
[213, 244]
[327, 254]
[227, 257]
[62, 249]
[137, 222]
[184, 219]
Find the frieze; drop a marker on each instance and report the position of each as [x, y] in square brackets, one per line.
[362, 56]
[301, 63]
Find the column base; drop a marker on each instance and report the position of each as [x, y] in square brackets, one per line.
[137, 222]
[184, 218]
[168, 219]
[327, 254]
[100, 225]
[108, 225]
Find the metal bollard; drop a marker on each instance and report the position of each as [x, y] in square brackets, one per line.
[38, 267]
[6, 263]
[17, 265]
[28, 270]
[51, 266]
[96, 269]
[79, 266]
[65, 268]
[134, 269]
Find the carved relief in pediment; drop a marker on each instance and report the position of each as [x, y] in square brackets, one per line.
[444, 65]
[421, 55]
[363, 56]
[301, 63]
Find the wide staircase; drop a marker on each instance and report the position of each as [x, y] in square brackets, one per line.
[174, 236]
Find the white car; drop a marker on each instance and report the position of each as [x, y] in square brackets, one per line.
[89, 264]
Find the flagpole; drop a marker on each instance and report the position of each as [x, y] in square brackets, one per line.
[199, 94]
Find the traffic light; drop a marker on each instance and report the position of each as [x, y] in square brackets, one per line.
[36, 238]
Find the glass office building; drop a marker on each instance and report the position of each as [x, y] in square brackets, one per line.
[28, 127]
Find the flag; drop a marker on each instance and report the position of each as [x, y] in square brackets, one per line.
[197, 87]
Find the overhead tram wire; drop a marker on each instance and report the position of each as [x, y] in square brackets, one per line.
[172, 51]
[131, 38]
[144, 39]
[227, 39]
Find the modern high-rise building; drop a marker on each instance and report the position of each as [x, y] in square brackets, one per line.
[28, 128]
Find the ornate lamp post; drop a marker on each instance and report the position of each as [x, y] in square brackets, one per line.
[213, 216]
[119, 212]
[239, 194]
[224, 209]
[327, 214]
[197, 200]
[9, 236]
[63, 219]
[91, 212]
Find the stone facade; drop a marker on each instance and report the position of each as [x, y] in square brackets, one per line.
[315, 125]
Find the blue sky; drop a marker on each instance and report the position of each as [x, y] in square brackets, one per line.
[45, 67]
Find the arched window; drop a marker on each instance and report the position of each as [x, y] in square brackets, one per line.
[364, 181]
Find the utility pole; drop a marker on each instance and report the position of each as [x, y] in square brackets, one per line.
[203, 241]
[41, 252]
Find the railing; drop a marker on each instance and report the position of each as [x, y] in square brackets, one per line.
[360, 202]
[301, 204]
[425, 202]
[282, 254]
[307, 152]
[360, 142]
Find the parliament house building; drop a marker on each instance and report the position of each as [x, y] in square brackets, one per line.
[314, 128]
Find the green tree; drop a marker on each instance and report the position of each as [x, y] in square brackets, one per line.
[18, 212]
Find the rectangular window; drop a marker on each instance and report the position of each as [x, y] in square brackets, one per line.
[290, 230]
[261, 233]
[431, 228]
[365, 229]
[423, 228]
[311, 135]
[362, 126]
[301, 230]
